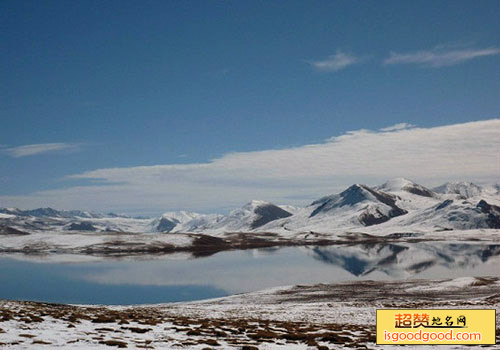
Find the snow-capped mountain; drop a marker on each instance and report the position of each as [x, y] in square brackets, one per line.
[357, 206]
[171, 220]
[465, 189]
[399, 205]
[374, 207]
[49, 212]
[49, 219]
[404, 185]
[452, 206]
[250, 217]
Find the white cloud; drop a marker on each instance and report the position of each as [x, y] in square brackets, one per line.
[335, 62]
[397, 127]
[440, 56]
[41, 148]
[294, 175]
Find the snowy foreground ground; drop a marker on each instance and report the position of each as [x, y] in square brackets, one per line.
[324, 316]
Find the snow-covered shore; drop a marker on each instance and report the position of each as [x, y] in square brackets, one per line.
[324, 316]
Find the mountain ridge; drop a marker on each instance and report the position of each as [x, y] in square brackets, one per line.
[398, 204]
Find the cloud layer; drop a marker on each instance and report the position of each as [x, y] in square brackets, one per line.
[440, 56]
[335, 62]
[41, 148]
[294, 175]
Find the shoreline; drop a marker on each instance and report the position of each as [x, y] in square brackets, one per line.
[317, 316]
[130, 245]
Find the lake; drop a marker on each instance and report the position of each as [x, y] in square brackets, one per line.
[177, 278]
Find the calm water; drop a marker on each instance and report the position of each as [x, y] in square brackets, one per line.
[174, 279]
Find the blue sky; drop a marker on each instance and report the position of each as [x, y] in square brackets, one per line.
[96, 85]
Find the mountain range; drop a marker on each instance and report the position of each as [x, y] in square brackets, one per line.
[399, 205]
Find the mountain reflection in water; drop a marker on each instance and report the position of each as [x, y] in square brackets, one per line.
[179, 278]
[405, 259]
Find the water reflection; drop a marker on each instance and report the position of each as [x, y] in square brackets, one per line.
[166, 280]
[406, 259]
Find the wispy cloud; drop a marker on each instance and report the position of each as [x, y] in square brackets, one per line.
[440, 56]
[427, 155]
[397, 127]
[40, 148]
[335, 62]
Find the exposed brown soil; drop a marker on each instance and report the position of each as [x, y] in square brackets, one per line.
[247, 333]
[196, 324]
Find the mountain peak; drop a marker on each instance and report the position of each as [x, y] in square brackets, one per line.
[464, 188]
[267, 212]
[375, 206]
[396, 184]
[253, 204]
[354, 194]
[179, 216]
[170, 220]
[402, 184]
[43, 212]
[259, 213]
